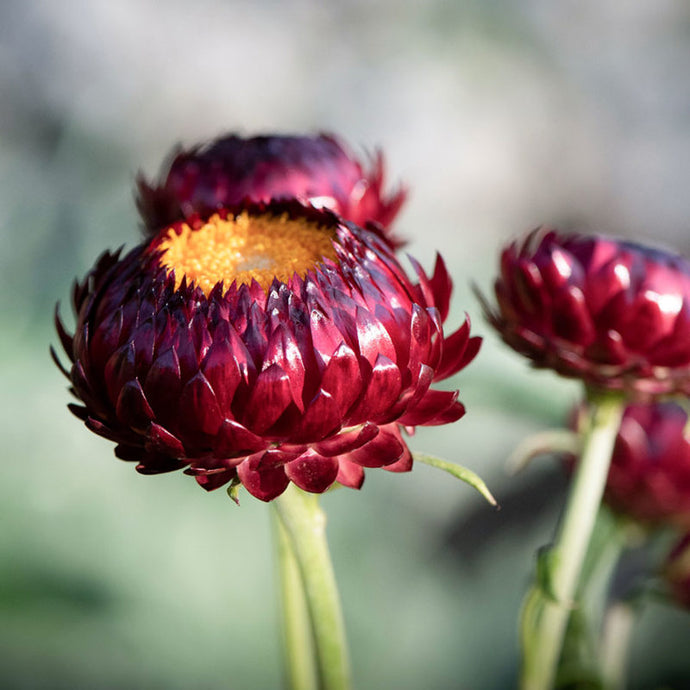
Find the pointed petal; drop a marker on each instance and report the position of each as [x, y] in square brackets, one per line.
[347, 441]
[372, 337]
[342, 378]
[384, 449]
[268, 400]
[265, 483]
[434, 405]
[160, 440]
[234, 440]
[163, 385]
[222, 373]
[382, 391]
[350, 474]
[404, 463]
[58, 363]
[321, 418]
[132, 408]
[118, 370]
[65, 339]
[312, 472]
[282, 350]
[215, 480]
[198, 409]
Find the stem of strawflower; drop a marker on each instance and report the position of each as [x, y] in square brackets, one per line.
[548, 604]
[304, 540]
[299, 658]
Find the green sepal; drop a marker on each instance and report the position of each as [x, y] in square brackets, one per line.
[234, 490]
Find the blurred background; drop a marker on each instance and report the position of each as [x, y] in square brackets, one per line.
[499, 116]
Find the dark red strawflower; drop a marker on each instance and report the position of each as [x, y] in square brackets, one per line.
[266, 344]
[649, 477]
[318, 170]
[613, 313]
[676, 572]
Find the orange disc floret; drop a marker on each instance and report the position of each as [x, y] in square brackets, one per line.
[244, 248]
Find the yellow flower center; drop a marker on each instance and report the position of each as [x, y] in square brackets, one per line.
[245, 247]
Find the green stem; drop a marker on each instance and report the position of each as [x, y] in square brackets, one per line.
[305, 526]
[298, 639]
[548, 604]
[618, 627]
[581, 655]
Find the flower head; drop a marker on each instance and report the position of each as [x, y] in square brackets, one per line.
[316, 170]
[613, 313]
[265, 344]
[649, 477]
[676, 572]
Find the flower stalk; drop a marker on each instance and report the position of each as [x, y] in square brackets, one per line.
[298, 638]
[618, 627]
[304, 524]
[548, 605]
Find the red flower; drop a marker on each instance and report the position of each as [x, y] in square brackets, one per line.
[613, 313]
[317, 170]
[270, 344]
[677, 572]
[649, 477]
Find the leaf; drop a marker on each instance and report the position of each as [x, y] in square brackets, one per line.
[459, 472]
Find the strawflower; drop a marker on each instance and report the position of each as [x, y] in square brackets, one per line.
[613, 313]
[616, 315]
[649, 477]
[263, 345]
[318, 170]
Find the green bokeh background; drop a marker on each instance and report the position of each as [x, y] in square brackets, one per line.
[498, 116]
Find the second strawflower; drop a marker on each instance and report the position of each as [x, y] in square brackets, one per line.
[317, 170]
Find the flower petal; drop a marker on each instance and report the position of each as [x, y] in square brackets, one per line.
[312, 472]
[198, 409]
[264, 482]
[385, 449]
[346, 441]
[269, 398]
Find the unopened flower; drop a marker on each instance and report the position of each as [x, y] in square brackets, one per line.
[613, 313]
[317, 170]
[266, 344]
[676, 572]
[649, 477]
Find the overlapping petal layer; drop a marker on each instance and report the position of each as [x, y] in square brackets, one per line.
[225, 172]
[613, 313]
[649, 478]
[309, 380]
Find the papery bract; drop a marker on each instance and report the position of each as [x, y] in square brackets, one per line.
[613, 313]
[649, 477]
[318, 170]
[309, 378]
